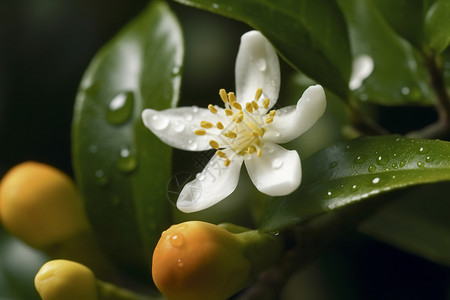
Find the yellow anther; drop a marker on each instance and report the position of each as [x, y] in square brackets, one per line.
[219, 125]
[221, 154]
[227, 162]
[258, 153]
[266, 103]
[231, 134]
[258, 94]
[231, 98]
[269, 120]
[237, 105]
[212, 109]
[237, 115]
[272, 113]
[200, 132]
[223, 95]
[214, 144]
[251, 149]
[206, 124]
[249, 107]
[238, 118]
[256, 134]
[228, 112]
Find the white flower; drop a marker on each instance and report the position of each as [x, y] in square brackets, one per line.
[245, 131]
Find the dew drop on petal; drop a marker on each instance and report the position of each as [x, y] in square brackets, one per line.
[191, 145]
[277, 163]
[159, 122]
[261, 64]
[120, 108]
[178, 127]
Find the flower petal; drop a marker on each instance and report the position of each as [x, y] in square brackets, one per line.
[277, 172]
[176, 126]
[257, 66]
[210, 186]
[292, 121]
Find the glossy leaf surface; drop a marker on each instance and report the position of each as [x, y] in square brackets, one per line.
[437, 26]
[346, 173]
[310, 35]
[122, 169]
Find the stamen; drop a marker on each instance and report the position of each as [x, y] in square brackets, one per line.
[258, 94]
[214, 144]
[237, 115]
[237, 105]
[231, 134]
[228, 112]
[219, 125]
[269, 120]
[256, 134]
[227, 162]
[206, 124]
[266, 103]
[255, 105]
[258, 153]
[221, 154]
[239, 118]
[231, 97]
[249, 107]
[212, 109]
[223, 95]
[251, 149]
[272, 113]
[200, 132]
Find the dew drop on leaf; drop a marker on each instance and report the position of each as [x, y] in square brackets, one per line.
[120, 108]
[359, 160]
[127, 161]
[382, 160]
[376, 180]
[372, 168]
[100, 177]
[420, 164]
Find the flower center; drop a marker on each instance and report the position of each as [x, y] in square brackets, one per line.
[243, 129]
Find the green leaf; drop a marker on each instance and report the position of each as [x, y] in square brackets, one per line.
[310, 35]
[417, 221]
[398, 77]
[122, 169]
[347, 173]
[437, 26]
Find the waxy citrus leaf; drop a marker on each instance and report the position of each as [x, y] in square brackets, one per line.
[347, 173]
[122, 169]
[310, 35]
[437, 26]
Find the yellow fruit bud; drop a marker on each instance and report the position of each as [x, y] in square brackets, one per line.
[40, 205]
[197, 260]
[63, 279]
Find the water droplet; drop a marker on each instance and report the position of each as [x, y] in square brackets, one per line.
[422, 150]
[200, 176]
[127, 161]
[382, 160]
[420, 164]
[192, 145]
[359, 160]
[120, 108]
[178, 127]
[333, 164]
[180, 262]
[177, 240]
[355, 187]
[188, 118]
[101, 177]
[159, 122]
[215, 5]
[394, 165]
[195, 109]
[402, 163]
[347, 147]
[268, 149]
[376, 180]
[261, 64]
[393, 176]
[277, 163]
[429, 159]
[176, 71]
[372, 168]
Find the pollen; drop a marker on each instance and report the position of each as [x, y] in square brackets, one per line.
[214, 144]
[227, 162]
[237, 105]
[200, 132]
[206, 124]
[249, 107]
[212, 109]
[266, 103]
[231, 98]
[258, 94]
[223, 95]
[219, 125]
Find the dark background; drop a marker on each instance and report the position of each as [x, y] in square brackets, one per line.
[45, 46]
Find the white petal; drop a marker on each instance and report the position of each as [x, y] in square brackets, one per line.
[277, 172]
[257, 66]
[292, 121]
[361, 69]
[176, 126]
[212, 185]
